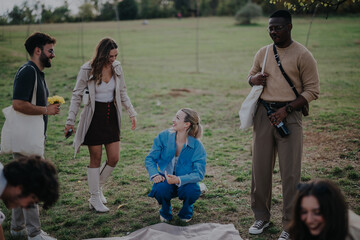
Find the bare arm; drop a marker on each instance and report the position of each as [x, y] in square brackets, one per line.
[26, 107]
[1, 233]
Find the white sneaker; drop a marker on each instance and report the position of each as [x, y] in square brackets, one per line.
[164, 220]
[42, 236]
[21, 233]
[203, 188]
[284, 236]
[258, 227]
[185, 220]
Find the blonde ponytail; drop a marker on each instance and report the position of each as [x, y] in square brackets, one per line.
[195, 129]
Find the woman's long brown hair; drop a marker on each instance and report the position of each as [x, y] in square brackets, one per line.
[101, 57]
[333, 208]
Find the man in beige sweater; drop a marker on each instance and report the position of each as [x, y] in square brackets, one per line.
[301, 68]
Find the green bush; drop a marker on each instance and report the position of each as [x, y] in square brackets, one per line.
[248, 12]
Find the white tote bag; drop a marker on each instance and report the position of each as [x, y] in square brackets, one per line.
[23, 133]
[248, 107]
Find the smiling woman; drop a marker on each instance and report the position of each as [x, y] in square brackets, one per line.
[320, 212]
[176, 164]
[100, 121]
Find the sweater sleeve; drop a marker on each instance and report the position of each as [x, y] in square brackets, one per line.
[309, 77]
[257, 62]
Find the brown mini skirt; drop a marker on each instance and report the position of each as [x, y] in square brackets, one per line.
[104, 127]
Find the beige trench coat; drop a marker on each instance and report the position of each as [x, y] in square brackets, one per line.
[84, 80]
[354, 226]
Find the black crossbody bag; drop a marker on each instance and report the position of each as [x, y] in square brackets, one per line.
[305, 108]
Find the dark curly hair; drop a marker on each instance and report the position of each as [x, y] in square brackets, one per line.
[36, 176]
[39, 40]
[333, 208]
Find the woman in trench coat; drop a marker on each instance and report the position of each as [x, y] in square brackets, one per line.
[101, 87]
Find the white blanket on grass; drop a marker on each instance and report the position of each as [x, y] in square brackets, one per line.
[163, 231]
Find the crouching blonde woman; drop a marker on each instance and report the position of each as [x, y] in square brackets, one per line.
[176, 164]
[100, 85]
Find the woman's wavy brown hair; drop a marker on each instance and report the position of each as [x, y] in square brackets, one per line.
[101, 57]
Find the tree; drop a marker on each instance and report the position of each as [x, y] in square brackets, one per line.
[185, 7]
[3, 20]
[229, 7]
[213, 5]
[145, 9]
[248, 12]
[305, 5]
[87, 12]
[46, 14]
[17, 15]
[107, 12]
[128, 10]
[21, 15]
[28, 14]
[61, 14]
[156, 9]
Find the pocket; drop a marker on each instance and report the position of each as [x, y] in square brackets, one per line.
[294, 118]
[86, 97]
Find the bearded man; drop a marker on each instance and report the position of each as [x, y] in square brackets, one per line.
[40, 47]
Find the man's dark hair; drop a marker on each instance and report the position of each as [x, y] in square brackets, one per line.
[38, 40]
[282, 14]
[36, 176]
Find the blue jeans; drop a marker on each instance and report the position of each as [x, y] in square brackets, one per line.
[164, 192]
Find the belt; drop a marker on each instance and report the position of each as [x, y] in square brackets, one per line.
[276, 105]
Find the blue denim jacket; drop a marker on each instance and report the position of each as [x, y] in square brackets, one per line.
[190, 167]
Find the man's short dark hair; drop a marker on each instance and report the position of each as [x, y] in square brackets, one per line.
[282, 14]
[36, 176]
[38, 39]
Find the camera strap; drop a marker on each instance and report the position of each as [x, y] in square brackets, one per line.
[283, 71]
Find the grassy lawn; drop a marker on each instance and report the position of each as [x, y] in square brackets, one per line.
[159, 61]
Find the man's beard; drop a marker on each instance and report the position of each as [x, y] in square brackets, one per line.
[45, 60]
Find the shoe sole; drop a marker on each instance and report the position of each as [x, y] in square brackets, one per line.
[18, 234]
[91, 207]
[186, 220]
[258, 231]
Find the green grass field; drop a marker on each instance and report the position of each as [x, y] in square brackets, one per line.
[159, 61]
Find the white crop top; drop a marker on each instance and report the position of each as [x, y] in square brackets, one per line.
[104, 92]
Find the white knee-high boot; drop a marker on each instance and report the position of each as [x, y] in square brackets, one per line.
[105, 172]
[94, 181]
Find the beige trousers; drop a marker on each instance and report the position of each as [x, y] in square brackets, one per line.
[267, 144]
